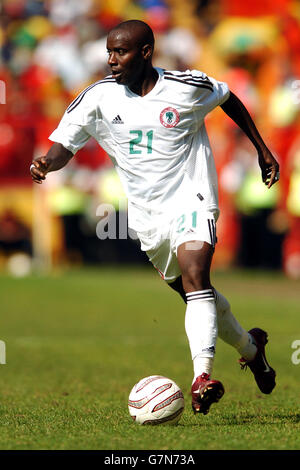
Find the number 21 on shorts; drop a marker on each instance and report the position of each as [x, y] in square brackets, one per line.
[184, 220]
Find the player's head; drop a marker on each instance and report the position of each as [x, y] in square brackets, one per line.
[130, 47]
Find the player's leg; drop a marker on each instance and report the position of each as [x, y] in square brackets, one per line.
[250, 345]
[194, 259]
[229, 329]
[204, 390]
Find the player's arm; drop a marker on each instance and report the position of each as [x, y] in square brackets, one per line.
[55, 159]
[235, 109]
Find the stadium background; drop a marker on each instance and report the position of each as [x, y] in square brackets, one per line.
[51, 50]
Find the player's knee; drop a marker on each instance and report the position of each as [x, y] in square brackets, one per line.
[195, 278]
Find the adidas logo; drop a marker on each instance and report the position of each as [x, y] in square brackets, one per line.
[117, 120]
[211, 349]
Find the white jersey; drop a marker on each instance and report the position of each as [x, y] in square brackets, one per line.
[158, 142]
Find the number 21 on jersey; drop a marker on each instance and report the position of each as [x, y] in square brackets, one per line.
[140, 139]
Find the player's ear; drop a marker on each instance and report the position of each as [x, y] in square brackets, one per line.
[147, 51]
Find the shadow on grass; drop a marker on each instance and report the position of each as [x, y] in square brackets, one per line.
[251, 419]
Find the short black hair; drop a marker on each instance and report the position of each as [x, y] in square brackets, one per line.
[147, 36]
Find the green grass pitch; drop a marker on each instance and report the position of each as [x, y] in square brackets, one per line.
[77, 341]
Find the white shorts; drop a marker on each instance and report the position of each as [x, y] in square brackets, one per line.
[193, 226]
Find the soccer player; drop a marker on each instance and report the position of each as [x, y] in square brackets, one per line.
[151, 123]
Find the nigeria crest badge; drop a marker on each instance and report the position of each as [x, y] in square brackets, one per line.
[169, 117]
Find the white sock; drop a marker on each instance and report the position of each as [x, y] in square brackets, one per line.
[202, 364]
[201, 329]
[231, 331]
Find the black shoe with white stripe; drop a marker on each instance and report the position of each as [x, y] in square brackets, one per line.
[263, 373]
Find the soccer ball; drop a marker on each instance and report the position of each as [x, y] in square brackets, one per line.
[156, 400]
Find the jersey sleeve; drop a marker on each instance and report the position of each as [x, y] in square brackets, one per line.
[74, 129]
[220, 92]
[210, 92]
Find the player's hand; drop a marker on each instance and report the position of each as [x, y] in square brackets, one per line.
[269, 167]
[39, 168]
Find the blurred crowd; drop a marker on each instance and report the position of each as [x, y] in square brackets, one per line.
[52, 49]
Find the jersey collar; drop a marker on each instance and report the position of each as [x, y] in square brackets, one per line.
[154, 90]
